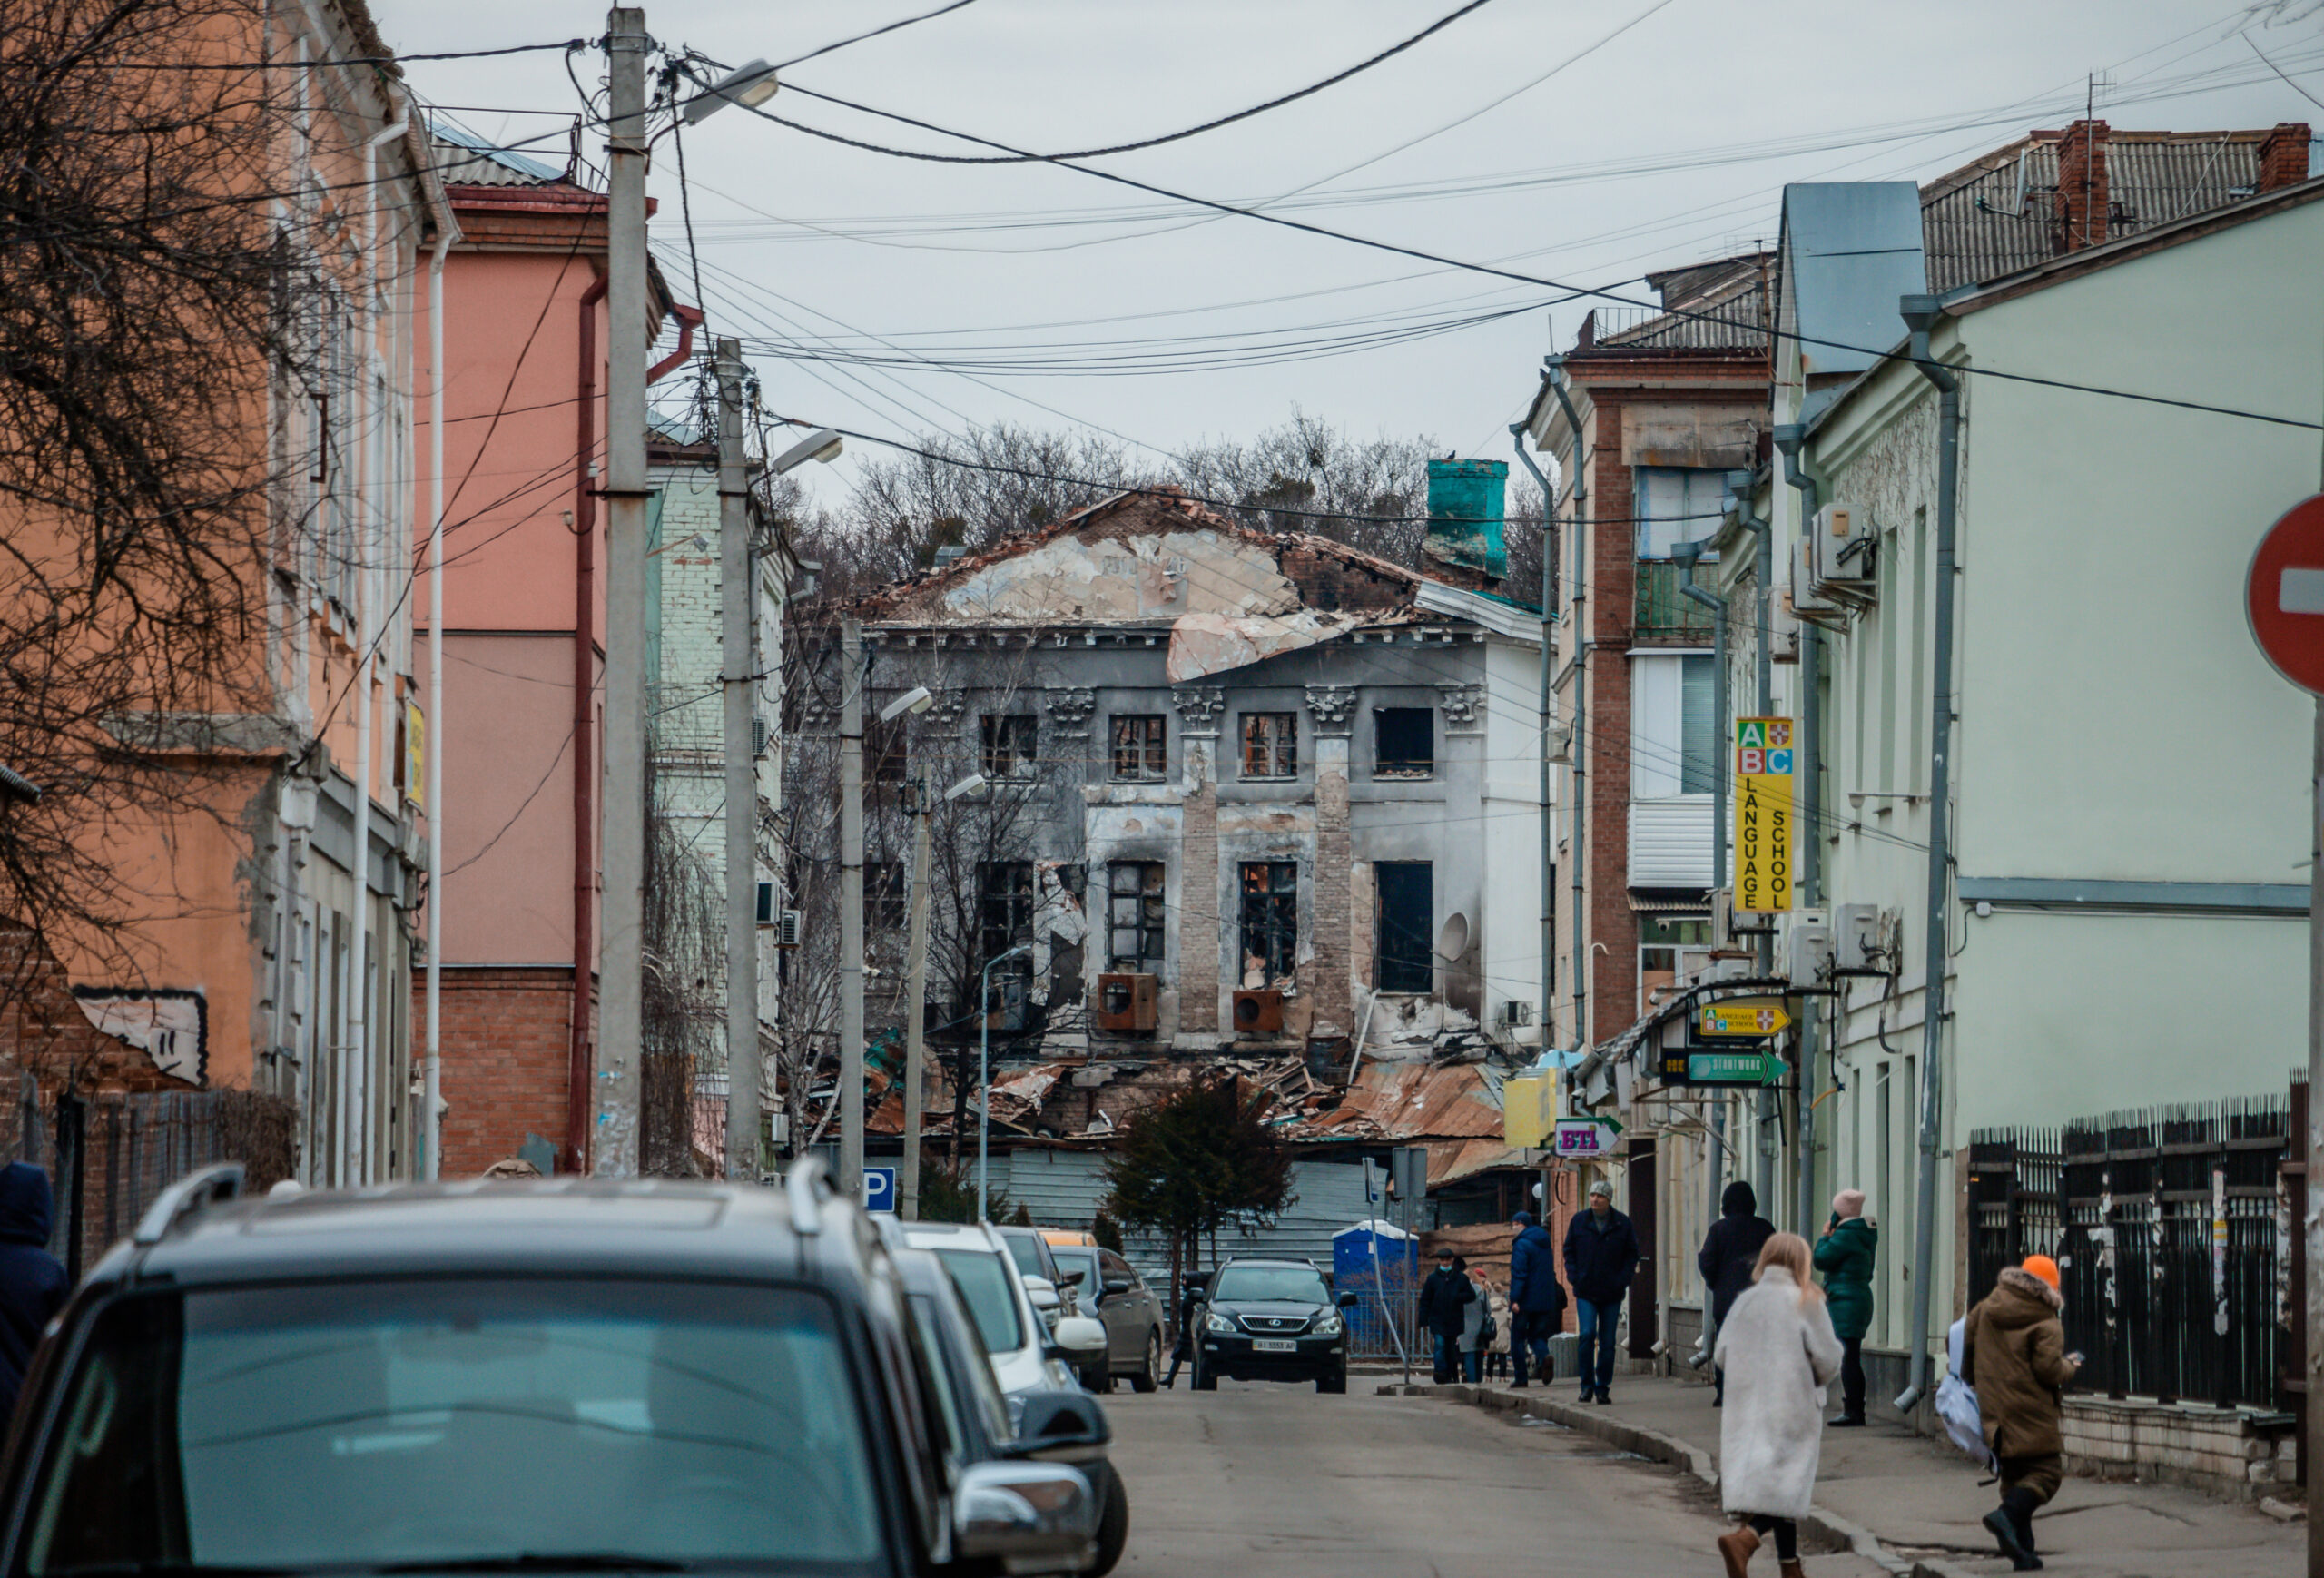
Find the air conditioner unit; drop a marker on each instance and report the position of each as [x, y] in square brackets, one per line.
[1840, 550]
[759, 735]
[1783, 628]
[1259, 1013]
[1863, 940]
[1722, 915]
[1516, 1013]
[1804, 948]
[1125, 1002]
[779, 1127]
[1799, 586]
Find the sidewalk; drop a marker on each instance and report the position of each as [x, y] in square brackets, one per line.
[1913, 1505]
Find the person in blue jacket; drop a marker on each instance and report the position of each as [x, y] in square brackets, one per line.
[32, 1281]
[1536, 1297]
[1601, 1255]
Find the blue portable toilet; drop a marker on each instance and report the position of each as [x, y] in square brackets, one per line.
[1374, 1254]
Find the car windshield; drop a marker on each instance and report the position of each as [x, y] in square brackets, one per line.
[1255, 1284]
[1025, 1250]
[982, 1278]
[432, 1426]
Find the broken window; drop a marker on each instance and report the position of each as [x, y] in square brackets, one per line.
[1009, 745]
[1140, 747]
[1270, 922]
[1403, 741]
[1135, 915]
[887, 897]
[1407, 922]
[1006, 899]
[886, 758]
[1270, 745]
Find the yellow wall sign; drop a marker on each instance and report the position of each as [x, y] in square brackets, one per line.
[1763, 780]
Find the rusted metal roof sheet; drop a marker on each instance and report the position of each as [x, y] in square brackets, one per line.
[1409, 1101]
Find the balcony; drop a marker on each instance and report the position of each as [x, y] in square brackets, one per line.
[1664, 615]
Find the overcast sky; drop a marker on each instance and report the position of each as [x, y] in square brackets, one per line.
[1653, 133]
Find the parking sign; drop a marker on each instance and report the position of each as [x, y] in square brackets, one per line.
[879, 1188]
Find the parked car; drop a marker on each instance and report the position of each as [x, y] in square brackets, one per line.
[1271, 1320]
[1111, 1290]
[1050, 1431]
[584, 1377]
[1053, 1294]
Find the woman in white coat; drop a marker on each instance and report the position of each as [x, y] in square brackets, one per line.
[1779, 1353]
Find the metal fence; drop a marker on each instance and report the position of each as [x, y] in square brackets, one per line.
[108, 1156]
[2169, 1229]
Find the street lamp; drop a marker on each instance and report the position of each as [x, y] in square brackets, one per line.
[915, 700]
[750, 87]
[984, 1074]
[821, 445]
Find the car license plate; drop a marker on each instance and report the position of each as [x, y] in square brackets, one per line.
[1274, 1345]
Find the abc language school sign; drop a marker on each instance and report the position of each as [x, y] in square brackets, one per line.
[1763, 802]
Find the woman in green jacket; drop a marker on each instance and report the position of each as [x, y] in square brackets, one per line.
[1845, 1255]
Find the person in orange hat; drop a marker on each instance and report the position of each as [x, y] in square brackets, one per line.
[2015, 1356]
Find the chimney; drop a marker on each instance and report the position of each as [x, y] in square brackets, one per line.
[2082, 202]
[1465, 521]
[2283, 156]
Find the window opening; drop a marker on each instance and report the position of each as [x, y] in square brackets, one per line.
[1141, 753]
[1270, 745]
[1009, 744]
[1135, 915]
[1403, 741]
[1403, 956]
[1270, 922]
[1005, 903]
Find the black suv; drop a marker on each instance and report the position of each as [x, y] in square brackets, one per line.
[543, 1379]
[1271, 1320]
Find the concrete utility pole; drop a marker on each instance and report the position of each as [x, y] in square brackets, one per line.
[738, 677]
[850, 1095]
[915, 998]
[621, 980]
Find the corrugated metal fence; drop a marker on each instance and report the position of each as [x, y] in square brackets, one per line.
[2169, 1230]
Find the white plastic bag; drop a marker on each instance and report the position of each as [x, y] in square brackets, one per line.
[1956, 1402]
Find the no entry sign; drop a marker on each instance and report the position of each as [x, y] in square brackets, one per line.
[2284, 595]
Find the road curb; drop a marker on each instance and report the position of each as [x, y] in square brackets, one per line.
[1647, 1443]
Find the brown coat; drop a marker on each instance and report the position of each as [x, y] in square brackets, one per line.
[2015, 1356]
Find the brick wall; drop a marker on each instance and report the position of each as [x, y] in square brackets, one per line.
[43, 1030]
[505, 1043]
[1613, 577]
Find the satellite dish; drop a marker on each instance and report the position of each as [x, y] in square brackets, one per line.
[1453, 937]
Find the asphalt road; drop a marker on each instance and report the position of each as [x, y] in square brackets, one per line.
[1270, 1480]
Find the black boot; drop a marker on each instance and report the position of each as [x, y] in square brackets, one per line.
[2010, 1524]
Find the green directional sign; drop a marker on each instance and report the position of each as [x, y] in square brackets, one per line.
[1734, 1068]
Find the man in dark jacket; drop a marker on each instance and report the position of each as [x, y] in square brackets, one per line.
[1730, 1253]
[1190, 1311]
[1600, 1255]
[1536, 1297]
[31, 1284]
[1441, 1296]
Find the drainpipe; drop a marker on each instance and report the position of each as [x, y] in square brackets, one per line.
[1920, 313]
[432, 1099]
[585, 683]
[1810, 818]
[1548, 709]
[355, 1117]
[1689, 554]
[1578, 749]
[1738, 487]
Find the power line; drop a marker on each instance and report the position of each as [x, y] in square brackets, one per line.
[861, 38]
[1878, 353]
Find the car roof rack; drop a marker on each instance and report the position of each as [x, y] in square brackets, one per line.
[203, 1187]
[808, 1186]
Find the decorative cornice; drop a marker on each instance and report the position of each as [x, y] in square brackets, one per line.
[1464, 707]
[1199, 706]
[1332, 705]
[1071, 709]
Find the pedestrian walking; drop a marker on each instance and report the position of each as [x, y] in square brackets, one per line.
[1442, 1298]
[1536, 1297]
[1846, 1255]
[1601, 1256]
[1476, 1322]
[1499, 1319]
[1730, 1253]
[33, 1286]
[1190, 1311]
[2016, 1355]
[1777, 1345]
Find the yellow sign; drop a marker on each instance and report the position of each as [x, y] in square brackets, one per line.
[1763, 780]
[1528, 1110]
[1743, 1016]
[415, 755]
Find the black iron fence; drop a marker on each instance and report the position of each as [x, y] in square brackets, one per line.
[2169, 1230]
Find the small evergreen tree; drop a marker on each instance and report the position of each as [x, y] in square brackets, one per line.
[1195, 1161]
[1107, 1231]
